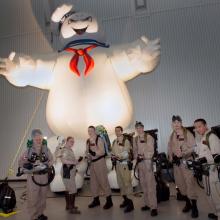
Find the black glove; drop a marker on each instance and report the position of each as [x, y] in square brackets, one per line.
[19, 173]
[139, 159]
[28, 166]
[80, 159]
[202, 160]
[130, 165]
[176, 160]
[216, 158]
[92, 152]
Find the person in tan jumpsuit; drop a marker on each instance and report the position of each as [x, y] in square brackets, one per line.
[208, 147]
[68, 173]
[95, 152]
[143, 148]
[180, 147]
[36, 195]
[121, 156]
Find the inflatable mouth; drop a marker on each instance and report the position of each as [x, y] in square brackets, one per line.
[84, 42]
[80, 31]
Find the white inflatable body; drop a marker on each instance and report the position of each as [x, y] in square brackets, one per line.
[100, 97]
[75, 102]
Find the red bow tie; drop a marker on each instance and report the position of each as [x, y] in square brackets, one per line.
[87, 59]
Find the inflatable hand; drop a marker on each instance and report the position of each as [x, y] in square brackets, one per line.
[145, 56]
[7, 64]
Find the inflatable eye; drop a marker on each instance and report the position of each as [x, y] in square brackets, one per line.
[87, 19]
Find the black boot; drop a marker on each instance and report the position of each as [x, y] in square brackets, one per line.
[94, 203]
[195, 212]
[129, 207]
[108, 203]
[179, 196]
[154, 212]
[67, 201]
[42, 217]
[212, 216]
[124, 203]
[72, 208]
[145, 208]
[188, 205]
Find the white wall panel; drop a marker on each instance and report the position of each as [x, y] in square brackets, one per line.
[14, 16]
[186, 82]
[20, 32]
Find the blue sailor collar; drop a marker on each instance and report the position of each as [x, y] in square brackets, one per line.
[84, 42]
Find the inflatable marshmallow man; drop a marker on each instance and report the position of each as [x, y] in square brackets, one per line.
[86, 79]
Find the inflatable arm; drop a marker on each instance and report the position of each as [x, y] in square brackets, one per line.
[22, 70]
[141, 56]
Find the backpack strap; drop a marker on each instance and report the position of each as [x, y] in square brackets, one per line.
[185, 130]
[136, 140]
[185, 134]
[88, 142]
[29, 153]
[45, 150]
[207, 138]
[113, 143]
[97, 139]
[145, 137]
[123, 140]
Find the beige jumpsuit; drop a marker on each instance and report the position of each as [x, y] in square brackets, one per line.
[36, 195]
[184, 178]
[123, 173]
[98, 169]
[68, 158]
[204, 151]
[145, 168]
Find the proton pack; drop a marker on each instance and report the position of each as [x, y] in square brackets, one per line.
[7, 197]
[102, 133]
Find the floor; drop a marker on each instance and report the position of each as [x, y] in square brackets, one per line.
[56, 207]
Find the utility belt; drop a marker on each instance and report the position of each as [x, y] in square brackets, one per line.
[123, 162]
[180, 160]
[99, 158]
[140, 159]
[152, 164]
[183, 161]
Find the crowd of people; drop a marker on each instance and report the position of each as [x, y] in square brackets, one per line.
[182, 146]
